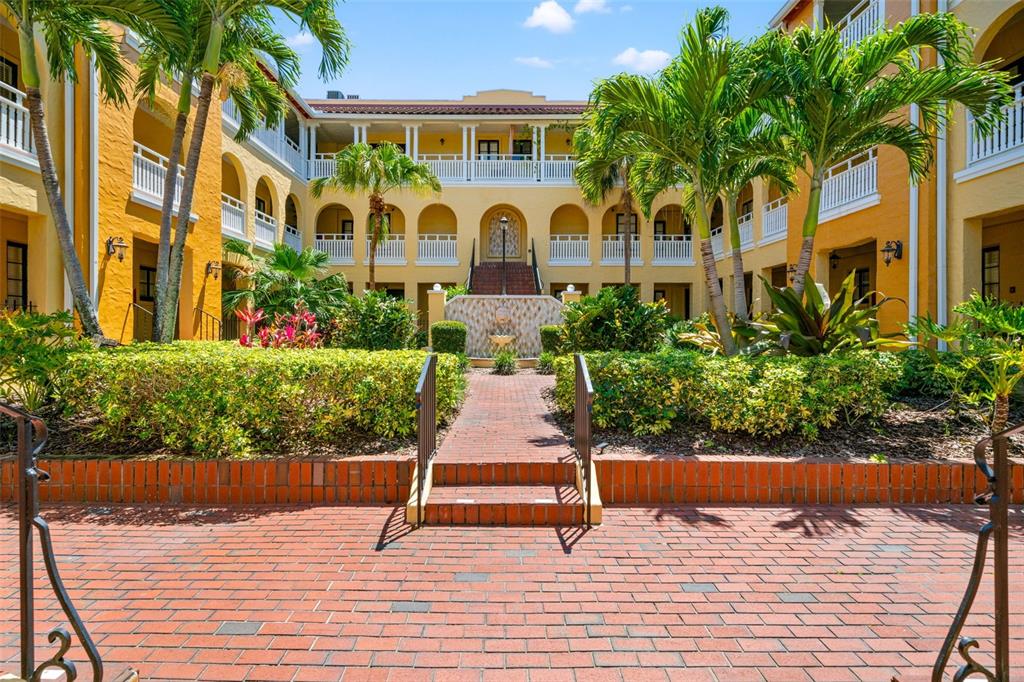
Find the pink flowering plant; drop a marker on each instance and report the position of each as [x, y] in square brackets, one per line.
[250, 318]
[289, 330]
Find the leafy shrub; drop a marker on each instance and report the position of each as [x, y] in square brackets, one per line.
[760, 396]
[421, 340]
[220, 399]
[373, 321]
[455, 290]
[34, 348]
[505, 362]
[546, 363]
[615, 319]
[550, 337]
[288, 330]
[941, 376]
[449, 336]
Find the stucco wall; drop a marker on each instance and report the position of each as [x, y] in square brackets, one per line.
[526, 315]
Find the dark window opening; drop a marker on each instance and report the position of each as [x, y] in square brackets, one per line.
[861, 282]
[990, 272]
[659, 227]
[147, 283]
[487, 150]
[17, 276]
[620, 223]
[9, 77]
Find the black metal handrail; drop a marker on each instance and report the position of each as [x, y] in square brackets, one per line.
[997, 497]
[142, 322]
[472, 264]
[536, 270]
[31, 439]
[582, 439]
[211, 328]
[426, 428]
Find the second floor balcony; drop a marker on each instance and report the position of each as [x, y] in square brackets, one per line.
[338, 247]
[149, 170]
[1006, 138]
[774, 220]
[746, 228]
[484, 169]
[15, 128]
[862, 20]
[717, 241]
[613, 250]
[266, 229]
[292, 237]
[673, 249]
[569, 249]
[390, 250]
[232, 216]
[850, 186]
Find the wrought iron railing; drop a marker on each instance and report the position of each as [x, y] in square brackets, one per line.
[210, 327]
[472, 264]
[997, 497]
[536, 270]
[426, 429]
[582, 439]
[142, 322]
[31, 438]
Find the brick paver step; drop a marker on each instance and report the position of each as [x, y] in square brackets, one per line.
[505, 505]
[503, 473]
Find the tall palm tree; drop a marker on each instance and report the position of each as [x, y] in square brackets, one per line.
[601, 166]
[229, 42]
[279, 282]
[60, 28]
[376, 171]
[835, 102]
[677, 125]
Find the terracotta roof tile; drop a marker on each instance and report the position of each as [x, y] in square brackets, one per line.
[443, 108]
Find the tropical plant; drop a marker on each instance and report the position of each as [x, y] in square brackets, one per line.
[376, 171]
[603, 162]
[677, 126]
[615, 319]
[988, 342]
[61, 29]
[228, 43]
[33, 349]
[546, 363]
[282, 281]
[834, 103]
[810, 323]
[291, 330]
[373, 321]
[455, 290]
[505, 362]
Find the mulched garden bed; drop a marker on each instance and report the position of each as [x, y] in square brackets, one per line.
[918, 429]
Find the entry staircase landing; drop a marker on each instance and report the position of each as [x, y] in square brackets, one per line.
[504, 462]
[520, 279]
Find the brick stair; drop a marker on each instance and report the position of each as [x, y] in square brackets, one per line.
[505, 505]
[486, 279]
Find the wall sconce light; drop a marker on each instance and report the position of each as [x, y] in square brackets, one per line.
[833, 260]
[213, 268]
[791, 272]
[892, 249]
[442, 141]
[568, 142]
[117, 245]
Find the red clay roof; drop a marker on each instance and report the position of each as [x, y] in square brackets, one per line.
[348, 106]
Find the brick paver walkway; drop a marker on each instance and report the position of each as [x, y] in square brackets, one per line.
[689, 593]
[504, 419]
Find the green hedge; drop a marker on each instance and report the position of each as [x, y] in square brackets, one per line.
[760, 396]
[221, 399]
[448, 336]
[550, 337]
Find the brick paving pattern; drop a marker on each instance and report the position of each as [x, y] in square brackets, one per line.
[686, 592]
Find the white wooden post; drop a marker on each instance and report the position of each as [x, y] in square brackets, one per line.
[472, 152]
[465, 152]
[416, 143]
[408, 140]
[543, 158]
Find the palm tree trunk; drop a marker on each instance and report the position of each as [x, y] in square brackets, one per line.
[627, 249]
[810, 228]
[738, 271]
[707, 257]
[163, 253]
[1001, 413]
[44, 153]
[177, 257]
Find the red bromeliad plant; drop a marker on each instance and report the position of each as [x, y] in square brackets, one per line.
[250, 318]
[295, 330]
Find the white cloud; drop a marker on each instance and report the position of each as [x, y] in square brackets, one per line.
[598, 6]
[550, 15]
[535, 62]
[626, 8]
[301, 39]
[644, 61]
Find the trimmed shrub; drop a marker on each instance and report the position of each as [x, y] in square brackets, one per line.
[546, 363]
[760, 396]
[505, 362]
[615, 319]
[448, 336]
[220, 399]
[550, 338]
[373, 321]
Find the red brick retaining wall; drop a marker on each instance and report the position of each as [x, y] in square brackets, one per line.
[793, 482]
[621, 482]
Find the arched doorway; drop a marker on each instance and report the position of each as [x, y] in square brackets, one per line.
[437, 236]
[335, 230]
[496, 239]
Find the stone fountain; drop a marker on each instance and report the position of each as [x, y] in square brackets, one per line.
[501, 337]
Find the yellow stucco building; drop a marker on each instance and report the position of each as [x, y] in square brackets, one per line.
[508, 154]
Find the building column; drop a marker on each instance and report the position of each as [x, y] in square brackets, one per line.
[416, 142]
[408, 139]
[356, 133]
[435, 309]
[543, 149]
[472, 150]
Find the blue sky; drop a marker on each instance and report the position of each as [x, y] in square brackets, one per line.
[443, 49]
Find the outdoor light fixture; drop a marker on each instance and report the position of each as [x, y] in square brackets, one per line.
[117, 245]
[442, 141]
[571, 288]
[892, 249]
[213, 268]
[437, 287]
[833, 260]
[504, 276]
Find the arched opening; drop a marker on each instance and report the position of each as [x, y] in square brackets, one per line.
[494, 239]
[232, 193]
[673, 239]
[613, 236]
[745, 217]
[264, 213]
[334, 233]
[437, 232]
[570, 239]
[292, 235]
[717, 223]
[390, 249]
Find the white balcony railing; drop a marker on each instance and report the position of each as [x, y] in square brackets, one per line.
[569, 249]
[15, 130]
[746, 228]
[850, 181]
[338, 247]
[148, 172]
[558, 169]
[503, 169]
[673, 249]
[447, 167]
[232, 216]
[863, 20]
[437, 249]
[492, 169]
[321, 166]
[390, 250]
[272, 140]
[613, 250]
[1008, 133]
[266, 228]
[292, 237]
[716, 242]
[774, 220]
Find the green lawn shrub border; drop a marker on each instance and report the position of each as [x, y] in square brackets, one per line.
[448, 336]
